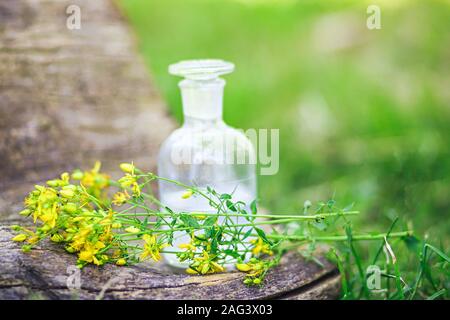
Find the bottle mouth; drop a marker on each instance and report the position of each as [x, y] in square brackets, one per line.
[205, 69]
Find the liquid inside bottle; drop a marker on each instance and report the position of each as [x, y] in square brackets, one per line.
[204, 152]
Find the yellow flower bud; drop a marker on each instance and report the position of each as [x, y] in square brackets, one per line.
[25, 212]
[77, 175]
[217, 267]
[121, 262]
[45, 228]
[191, 271]
[20, 237]
[187, 246]
[70, 249]
[116, 225]
[132, 230]
[57, 237]
[70, 207]
[127, 167]
[187, 194]
[243, 267]
[205, 269]
[65, 177]
[67, 193]
[53, 183]
[257, 281]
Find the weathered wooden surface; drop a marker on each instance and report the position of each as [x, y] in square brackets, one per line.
[48, 273]
[68, 98]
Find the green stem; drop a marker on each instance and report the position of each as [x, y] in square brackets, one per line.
[341, 238]
[278, 216]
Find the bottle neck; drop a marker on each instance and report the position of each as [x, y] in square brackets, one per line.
[202, 100]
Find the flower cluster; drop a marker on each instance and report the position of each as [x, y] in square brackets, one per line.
[79, 215]
[256, 270]
[206, 263]
[66, 213]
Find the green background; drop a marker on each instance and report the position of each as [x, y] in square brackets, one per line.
[364, 115]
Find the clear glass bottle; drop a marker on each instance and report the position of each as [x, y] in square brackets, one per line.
[204, 151]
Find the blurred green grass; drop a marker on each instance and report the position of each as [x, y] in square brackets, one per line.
[364, 116]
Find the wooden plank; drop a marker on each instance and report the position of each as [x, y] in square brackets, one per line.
[70, 97]
[47, 272]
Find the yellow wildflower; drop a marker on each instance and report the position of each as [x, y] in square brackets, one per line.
[136, 189]
[260, 247]
[120, 198]
[255, 270]
[130, 180]
[80, 237]
[205, 264]
[89, 251]
[152, 248]
[95, 181]
[49, 215]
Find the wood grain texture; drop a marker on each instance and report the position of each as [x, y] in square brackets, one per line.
[70, 97]
[45, 272]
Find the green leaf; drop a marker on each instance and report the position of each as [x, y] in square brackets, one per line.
[189, 221]
[253, 207]
[247, 234]
[211, 220]
[225, 196]
[231, 253]
[230, 205]
[262, 235]
[214, 246]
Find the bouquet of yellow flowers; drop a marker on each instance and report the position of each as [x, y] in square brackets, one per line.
[122, 222]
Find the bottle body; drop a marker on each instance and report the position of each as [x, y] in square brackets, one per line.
[197, 154]
[204, 152]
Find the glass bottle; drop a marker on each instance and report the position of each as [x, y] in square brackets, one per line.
[204, 151]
